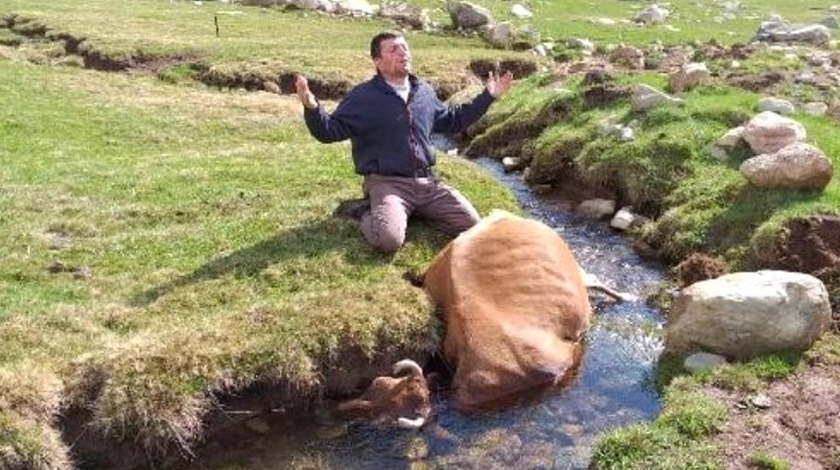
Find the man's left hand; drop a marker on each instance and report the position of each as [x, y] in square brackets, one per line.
[498, 85]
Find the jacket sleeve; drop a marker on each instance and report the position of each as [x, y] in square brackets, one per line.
[332, 127]
[454, 119]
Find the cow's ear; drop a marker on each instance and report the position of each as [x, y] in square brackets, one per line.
[357, 407]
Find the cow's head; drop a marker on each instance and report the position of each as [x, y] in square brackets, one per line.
[402, 400]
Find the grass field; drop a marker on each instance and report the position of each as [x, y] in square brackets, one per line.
[164, 243]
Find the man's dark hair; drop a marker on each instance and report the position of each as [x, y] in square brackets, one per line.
[376, 42]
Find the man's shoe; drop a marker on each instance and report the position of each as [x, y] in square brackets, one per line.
[352, 209]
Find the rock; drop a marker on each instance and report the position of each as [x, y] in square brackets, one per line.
[646, 97]
[776, 105]
[815, 108]
[512, 163]
[501, 34]
[760, 401]
[749, 314]
[596, 208]
[653, 14]
[768, 132]
[623, 219]
[466, 15]
[689, 76]
[795, 166]
[520, 11]
[354, 7]
[703, 361]
[731, 138]
[628, 56]
[405, 14]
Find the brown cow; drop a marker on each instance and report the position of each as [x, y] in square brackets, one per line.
[401, 401]
[515, 307]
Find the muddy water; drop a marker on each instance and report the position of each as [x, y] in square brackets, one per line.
[554, 432]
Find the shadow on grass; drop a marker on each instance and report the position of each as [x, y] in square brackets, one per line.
[328, 235]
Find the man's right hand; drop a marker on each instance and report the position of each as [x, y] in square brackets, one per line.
[306, 96]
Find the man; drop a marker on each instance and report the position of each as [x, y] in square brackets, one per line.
[389, 120]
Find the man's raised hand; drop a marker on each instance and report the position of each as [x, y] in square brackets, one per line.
[498, 85]
[306, 96]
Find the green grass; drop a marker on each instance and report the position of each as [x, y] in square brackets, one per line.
[164, 243]
[258, 40]
[195, 249]
[680, 437]
[762, 459]
[692, 20]
[697, 202]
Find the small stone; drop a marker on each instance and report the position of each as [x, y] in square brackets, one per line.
[761, 401]
[703, 361]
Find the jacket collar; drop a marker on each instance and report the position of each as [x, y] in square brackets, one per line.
[413, 83]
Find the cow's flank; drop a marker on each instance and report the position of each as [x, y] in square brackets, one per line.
[515, 309]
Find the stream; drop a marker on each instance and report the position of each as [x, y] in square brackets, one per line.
[614, 387]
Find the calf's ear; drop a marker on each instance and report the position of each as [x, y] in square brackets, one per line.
[357, 407]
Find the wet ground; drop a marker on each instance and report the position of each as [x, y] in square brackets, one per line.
[553, 432]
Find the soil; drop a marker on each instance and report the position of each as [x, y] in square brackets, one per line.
[810, 245]
[698, 267]
[796, 421]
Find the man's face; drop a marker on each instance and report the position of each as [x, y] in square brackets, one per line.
[394, 61]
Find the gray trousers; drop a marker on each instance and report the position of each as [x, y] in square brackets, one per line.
[394, 198]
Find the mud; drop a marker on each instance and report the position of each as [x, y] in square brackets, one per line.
[808, 245]
[519, 68]
[698, 267]
[801, 426]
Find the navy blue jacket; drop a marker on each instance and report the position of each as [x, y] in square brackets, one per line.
[389, 136]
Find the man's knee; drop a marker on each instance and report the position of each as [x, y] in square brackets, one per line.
[387, 241]
[385, 234]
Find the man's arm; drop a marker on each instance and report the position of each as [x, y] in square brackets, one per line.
[321, 125]
[499, 85]
[457, 118]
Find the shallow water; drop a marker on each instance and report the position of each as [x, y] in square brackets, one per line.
[554, 432]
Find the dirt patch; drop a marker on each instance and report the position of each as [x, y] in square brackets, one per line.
[604, 94]
[796, 421]
[809, 245]
[757, 83]
[698, 267]
[519, 68]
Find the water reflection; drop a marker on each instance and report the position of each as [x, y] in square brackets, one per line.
[555, 432]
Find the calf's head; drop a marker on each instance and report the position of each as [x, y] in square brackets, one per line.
[401, 400]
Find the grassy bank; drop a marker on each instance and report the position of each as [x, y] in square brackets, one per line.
[696, 202]
[165, 245]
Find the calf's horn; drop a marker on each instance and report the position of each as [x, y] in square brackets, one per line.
[408, 364]
[592, 282]
[415, 423]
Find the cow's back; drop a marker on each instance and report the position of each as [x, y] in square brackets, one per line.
[515, 308]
